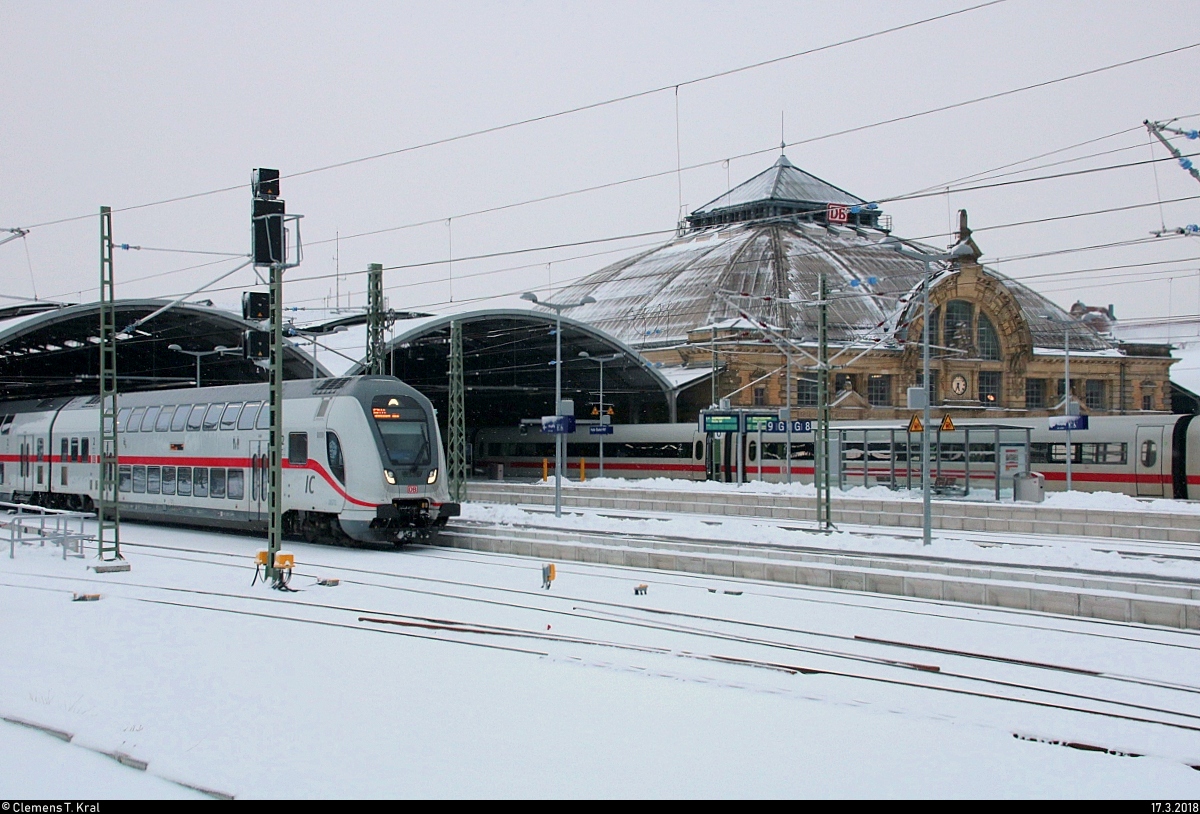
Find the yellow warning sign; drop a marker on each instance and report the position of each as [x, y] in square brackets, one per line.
[915, 425]
[947, 424]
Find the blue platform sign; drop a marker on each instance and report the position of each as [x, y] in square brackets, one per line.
[600, 429]
[781, 426]
[1068, 422]
[558, 424]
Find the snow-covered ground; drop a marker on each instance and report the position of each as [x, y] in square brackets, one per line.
[702, 687]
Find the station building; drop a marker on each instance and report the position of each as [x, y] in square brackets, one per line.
[744, 274]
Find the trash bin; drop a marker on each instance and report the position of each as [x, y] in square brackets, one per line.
[1029, 487]
[497, 472]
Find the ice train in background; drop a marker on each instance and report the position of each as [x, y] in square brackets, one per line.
[1151, 455]
[363, 458]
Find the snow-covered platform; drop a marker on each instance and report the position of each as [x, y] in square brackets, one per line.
[1080, 514]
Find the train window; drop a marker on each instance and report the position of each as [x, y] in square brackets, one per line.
[179, 420]
[699, 453]
[135, 420]
[83, 449]
[584, 450]
[1109, 453]
[337, 463]
[249, 413]
[752, 451]
[1149, 453]
[124, 478]
[195, 417]
[74, 449]
[236, 484]
[264, 417]
[802, 451]
[168, 480]
[199, 482]
[229, 418]
[41, 448]
[63, 457]
[634, 449]
[297, 448]
[151, 417]
[123, 418]
[213, 417]
[153, 479]
[183, 481]
[5, 424]
[139, 479]
[216, 483]
[1, 471]
[164, 419]
[494, 450]
[1040, 453]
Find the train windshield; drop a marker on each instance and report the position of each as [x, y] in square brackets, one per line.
[404, 428]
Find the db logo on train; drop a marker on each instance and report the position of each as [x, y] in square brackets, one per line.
[412, 490]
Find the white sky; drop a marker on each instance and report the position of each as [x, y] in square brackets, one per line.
[123, 104]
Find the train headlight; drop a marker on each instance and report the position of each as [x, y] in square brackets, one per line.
[432, 476]
[389, 476]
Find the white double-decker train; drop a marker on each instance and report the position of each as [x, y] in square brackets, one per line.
[363, 458]
[1151, 455]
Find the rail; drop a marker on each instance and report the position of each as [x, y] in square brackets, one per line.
[27, 524]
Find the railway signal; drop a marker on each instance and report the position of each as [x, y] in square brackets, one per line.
[269, 248]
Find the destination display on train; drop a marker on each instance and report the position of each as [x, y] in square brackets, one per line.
[395, 408]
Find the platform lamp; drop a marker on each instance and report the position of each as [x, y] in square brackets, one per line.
[603, 416]
[558, 437]
[963, 249]
[200, 354]
[1068, 403]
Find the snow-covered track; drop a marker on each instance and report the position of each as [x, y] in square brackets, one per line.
[1136, 599]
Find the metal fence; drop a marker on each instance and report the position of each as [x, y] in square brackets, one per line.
[28, 525]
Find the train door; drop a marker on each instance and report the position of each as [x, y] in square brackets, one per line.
[1149, 462]
[25, 464]
[259, 485]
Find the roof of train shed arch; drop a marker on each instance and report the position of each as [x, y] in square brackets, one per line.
[508, 367]
[51, 349]
[770, 238]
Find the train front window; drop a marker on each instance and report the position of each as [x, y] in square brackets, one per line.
[407, 442]
[404, 429]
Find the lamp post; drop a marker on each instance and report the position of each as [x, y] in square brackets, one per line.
[558, 436]
[199, 354]
[961, 250]
[601, 360]
[1067, 402]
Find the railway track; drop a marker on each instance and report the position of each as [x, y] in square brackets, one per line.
[1129, 597]
[744, 644]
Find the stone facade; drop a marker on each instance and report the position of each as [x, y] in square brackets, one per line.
[977, 370]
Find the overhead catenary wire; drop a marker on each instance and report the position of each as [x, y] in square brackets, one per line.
[549, 116]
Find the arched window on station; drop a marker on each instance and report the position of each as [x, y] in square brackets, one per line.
[987, 340]
[959, 315]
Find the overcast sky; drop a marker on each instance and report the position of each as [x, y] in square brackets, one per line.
[123, 104]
